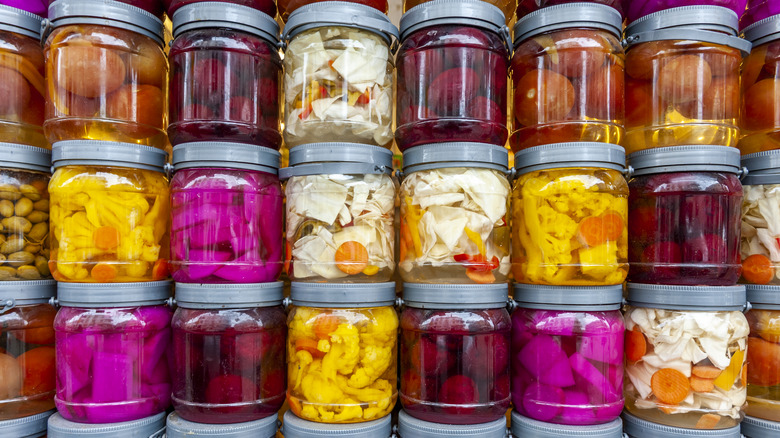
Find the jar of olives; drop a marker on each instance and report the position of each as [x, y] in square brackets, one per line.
[296, 427]
[107, 74]
[177, 427]
[267, 7]
[760, 121]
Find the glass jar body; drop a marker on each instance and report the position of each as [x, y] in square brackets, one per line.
[758, 10]
[226, 226]
[686, 368]
[684, 228]
[156, 7]
[286, 7]
[763, 356]
[113, 363]
[506, 6]
[638, 9]
[760, 121]
[267, 7]
[109, 224]
[759, 248]
[22, 83]
[525, 7]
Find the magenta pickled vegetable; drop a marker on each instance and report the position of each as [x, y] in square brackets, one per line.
[636, 9]
[265, 6]
[525, 7]
[757, 10]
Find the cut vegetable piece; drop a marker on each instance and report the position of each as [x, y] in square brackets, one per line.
[539, 353]
[480, 277]
[601, 348]
[763, 358]
[583, 368]
[543, 402]
[106, 238]
[591, 231]
[708, 421]
[351, 257]
[309, 345]
[727, 378]
[103, 273]
[700, 384]
[670, 386]
[558, 374]
[112, 378]
[636, 345]
[757, 269]
[706, 371]
[324, 325]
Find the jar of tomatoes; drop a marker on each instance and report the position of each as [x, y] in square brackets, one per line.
[331, 326]
[454, 202]
[107, 73]
[525, 7]
[267, 7]
[636, 427]
[452, 74]
[507, 7]
[759, 245]
[177, 427]
[763, 373]
[758, 428]
[287, 7]
[455, 354]
[635, 10]
[684, 208]
[758, 10]
[110, 212]
[523, 427]
[226, 203]
[21, 77]
[685, 355]
[340, 213]
[152, 427]
[338, 67]
[760, 121]
[216, 47]
[27, 342]
[33, 426]
[567, 353]
[296, 427]
[411, 427]
[567, 76]
[682, 78]
[569, 211]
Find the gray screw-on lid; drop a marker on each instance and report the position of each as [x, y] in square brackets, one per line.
[178, 427]
[575, 298]
[763, 31]
[456, 296]
[637, 428]
[20, 21]
[567, 16]
[523, 427]
[695, 158]
[27, 292]
[106, 13]
[295, 427]
[461, 154]
[336, 13]
[229, 296]
[342, 295]
[763, 296]
[341, 158]
[204, 15]
[26, 427]
[143, 428]
[410, 427]
[700, 17]
[224, 154]
[113, 294]
[106, 153]
[464, 12]
[19, 156]
[581, 154]
[759, 428]
[703, 298]
[763, 168]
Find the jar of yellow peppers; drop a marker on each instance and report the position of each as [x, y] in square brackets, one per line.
[109, 212]
[569, 211]
[341, 351]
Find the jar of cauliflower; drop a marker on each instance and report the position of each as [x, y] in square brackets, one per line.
[686, 355]
[569, 211]
[763, 377]
[342, 352]
[759, 245]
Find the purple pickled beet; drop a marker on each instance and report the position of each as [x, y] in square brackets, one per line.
[520, 335]
[577, 408]
[543, 402]
[609, 412]
[520, 381]
[541, 354]
[213, 233]
[589, 373]
[451, 91]
[758, 10]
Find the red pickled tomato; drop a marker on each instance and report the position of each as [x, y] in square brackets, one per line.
[665, 254]
[606, 94]
[142, 104]
[459, 390]
[721, 101]
[684, 78]
[543, 96]
[639, 103]
[762, 110]
[38, 371]
[485, 109]
[451, 91]
[15, 91]
[701, 214]
[229, 389]
[580, 52]
[485, 356]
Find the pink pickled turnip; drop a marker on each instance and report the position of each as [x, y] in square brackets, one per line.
[75, 351]
[197, 213]
[558, 374]
[543, 402]
[607, 349]
[203, 264]
[540, 353]
[113, 378]
[590, 374]
[577, 408]
[153, 349]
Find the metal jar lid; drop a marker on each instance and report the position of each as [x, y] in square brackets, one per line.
[19, 156]
[763, 296]
[106, 153]
[295, 427]
[696, 298]
[91, 295]
[229, 296]
[461, 12]
[26, 427]
[568, 16]
[763, 31]
[696, 158]
[410, 427]
[341, 158]
[575, 298]
[637, 428]
[456, 296]
[759, 428]
[343, 295]
[461, 154]
[225, 155]
[335, 13]
[146, 427]
[20, 21]
[18, 293]
[105, 13]
[178, 427]
[523, 427]
[763, 168]
[579, 155]
[206, 15]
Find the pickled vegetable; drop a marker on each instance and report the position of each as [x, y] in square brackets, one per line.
[759, 247]
[763, 372]
[24, 225]
[760, 122]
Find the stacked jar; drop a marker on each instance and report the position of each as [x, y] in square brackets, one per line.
[760, 122]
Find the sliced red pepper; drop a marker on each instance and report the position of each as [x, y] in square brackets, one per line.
[364, 98]
[305, 113]
[460, 258]
[323, 92]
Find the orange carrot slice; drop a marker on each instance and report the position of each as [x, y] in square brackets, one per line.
[160, 270]
[708, 421]
[591, 231]
[670, 386]
[309, 345]
[706, 371]
[613, 226]
[636, 346]
[481, 277]
[700, 384]
[104, 273]
[351, 257]
[324, 325]
[106, 237]
[757, 269]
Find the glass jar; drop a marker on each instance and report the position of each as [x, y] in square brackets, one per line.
[338, 75]
[455, 342]
[569, 211]
[37, 7]
[763, 355]
[638, 9]
[33, 426]
[226, 209]
[759, 247]
[411, 427]
[151, 427]
[295, 427]
[567, 359]
[567, 76]
[21, 77]
[758, 10]
[267, 7]
[507, 7]
[287, 7]
[24, 212]
[525, 7]
[682, 78]
[177, 427]
[110, 213]
[635, 427]
[760, 121]
[452, 74]
[106, 81]
[685, 355]
[684, 208]
[340, 213]
[228, 344]
[758, 428]
[523, 427]
[27, 345]
[454, 202]
[216, 47]
[156, 7]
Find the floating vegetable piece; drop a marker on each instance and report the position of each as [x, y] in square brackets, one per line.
[636, 345]
[727, 378]
[351, 257]
[670, 386]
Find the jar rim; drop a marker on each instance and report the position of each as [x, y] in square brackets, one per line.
[26, 426]
[455, 154]
[229, 296]
[100, 12]
[177, 427]
[27, 292]
[106, 153]
[637, 427]
[20, 21]
[576, 154]
[321, 14]
[148, 426]
[296, 427]
[584, 298]
[763, 31]
[20, 156]
[337, 158]
[342, 295]
[93, 295]
[762, 161]
[225, 155]
[568, 16]
[211, 14]
[460, 12]
[524, 426]
[700, 17]
[689, 298]
[691, 158]
[759, 428]
[411, 427]
[455, 296]
[763, 296]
